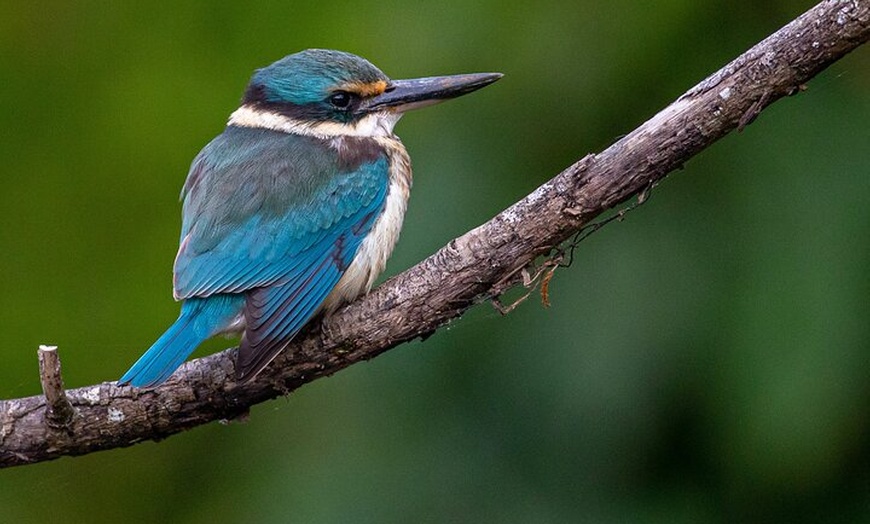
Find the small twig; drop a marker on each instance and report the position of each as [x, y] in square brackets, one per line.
[587, 230]
[545, 285]
[542, 276]
[59, 412]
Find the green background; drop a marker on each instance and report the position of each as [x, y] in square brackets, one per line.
[705, 360]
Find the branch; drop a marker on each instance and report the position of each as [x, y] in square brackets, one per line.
[478, 266]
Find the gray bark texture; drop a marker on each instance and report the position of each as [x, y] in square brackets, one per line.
[519, 246]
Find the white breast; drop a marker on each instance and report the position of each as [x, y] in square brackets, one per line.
[376, 248]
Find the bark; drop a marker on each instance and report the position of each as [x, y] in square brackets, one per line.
[521, 245]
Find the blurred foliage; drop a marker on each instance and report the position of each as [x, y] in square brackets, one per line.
[705, 360]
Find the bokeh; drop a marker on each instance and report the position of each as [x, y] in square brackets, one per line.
[704, 360]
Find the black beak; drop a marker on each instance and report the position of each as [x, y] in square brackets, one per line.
[403, 95]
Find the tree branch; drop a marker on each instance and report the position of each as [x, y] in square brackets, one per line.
[475, 267]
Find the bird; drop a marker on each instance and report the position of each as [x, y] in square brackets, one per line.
[294, 209]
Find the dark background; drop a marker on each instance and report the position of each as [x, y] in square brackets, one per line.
[705, 360]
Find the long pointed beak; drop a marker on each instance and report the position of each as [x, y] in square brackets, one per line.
[403, 95]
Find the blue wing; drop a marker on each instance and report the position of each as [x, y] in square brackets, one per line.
[276, 217]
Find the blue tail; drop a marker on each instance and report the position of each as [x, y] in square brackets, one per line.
[200, 319]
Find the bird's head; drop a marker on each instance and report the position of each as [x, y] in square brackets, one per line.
[345, 94]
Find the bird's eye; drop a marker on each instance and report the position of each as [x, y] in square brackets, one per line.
[340, 100]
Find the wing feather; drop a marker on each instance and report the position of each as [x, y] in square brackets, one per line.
[278, 218]
[291, 214]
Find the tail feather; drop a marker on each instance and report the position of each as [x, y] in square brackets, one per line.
[200, 319]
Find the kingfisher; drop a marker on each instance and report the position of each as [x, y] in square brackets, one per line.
[294, 208]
